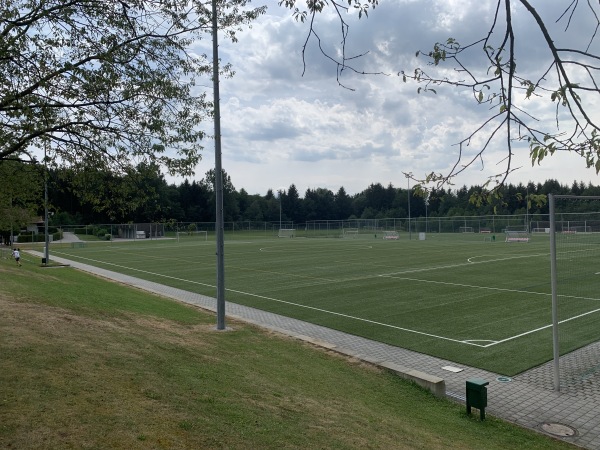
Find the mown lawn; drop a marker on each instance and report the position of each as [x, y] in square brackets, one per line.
[87, 363]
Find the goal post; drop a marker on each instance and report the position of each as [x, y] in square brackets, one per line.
[516, 236]
[286, 233]
[390, 235]
[575, 279]
[350, 233]
[466, 230]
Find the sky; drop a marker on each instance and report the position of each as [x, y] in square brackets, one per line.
[284, 123]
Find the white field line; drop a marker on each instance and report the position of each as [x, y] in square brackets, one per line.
[467, 285]
[517, 291]
[542, 328]
[468, 263]
[408, 330]
[492, 342]
[356, 318]
[135, 270]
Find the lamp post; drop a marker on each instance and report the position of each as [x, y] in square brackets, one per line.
[46, 235]
[527, 210]
[426, 203]
[279, 192]
[408, 195]
[219, 225]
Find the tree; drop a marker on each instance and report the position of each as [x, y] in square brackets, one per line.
[230, 205]
[292, 204]
[343, 204]
[138, 194]
[494, 70]
[319, 204]
[107, 83]
[20, 195]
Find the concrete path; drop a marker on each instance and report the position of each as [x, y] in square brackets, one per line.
[527, 400]
[69, 237]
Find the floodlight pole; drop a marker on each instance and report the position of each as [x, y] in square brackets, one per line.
[408, 194]
[527, 210]
[219, 225]
[279, 192]
[426, 204]
[555, 349]
[46, 235]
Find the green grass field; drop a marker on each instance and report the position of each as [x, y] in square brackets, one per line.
[456, 296]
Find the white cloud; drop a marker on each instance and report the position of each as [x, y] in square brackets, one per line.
[281, 128]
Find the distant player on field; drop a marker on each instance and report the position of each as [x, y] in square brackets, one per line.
[17, 255]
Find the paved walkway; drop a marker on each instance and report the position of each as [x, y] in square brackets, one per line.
[528, 399]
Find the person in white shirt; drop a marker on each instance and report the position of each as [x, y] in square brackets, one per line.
[17, 255]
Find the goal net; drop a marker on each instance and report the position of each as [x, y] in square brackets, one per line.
[390, 235]
[351, 233]
[575, 275]
[286, 232]
[466, 230]
[516, 236]
[577, 229]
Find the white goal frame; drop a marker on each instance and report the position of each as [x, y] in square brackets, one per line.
[516, 236]
[466, 230]
[351, 233]
[391, 235]
[286, 232]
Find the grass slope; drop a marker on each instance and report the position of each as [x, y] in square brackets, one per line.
[88, 363]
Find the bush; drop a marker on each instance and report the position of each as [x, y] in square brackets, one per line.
[191, 228]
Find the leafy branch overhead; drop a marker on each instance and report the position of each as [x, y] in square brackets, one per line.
[315, 7]
[108, 84]
[495, 69]
[509, 94]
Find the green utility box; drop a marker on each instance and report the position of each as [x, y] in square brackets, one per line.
[477, 395]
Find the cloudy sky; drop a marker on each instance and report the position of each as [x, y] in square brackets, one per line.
[283, 127]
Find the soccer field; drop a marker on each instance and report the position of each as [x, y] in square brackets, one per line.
[457, 296]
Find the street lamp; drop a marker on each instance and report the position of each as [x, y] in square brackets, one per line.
[219, 225]
[408, 195]
[426, 204]
[46, 235]
[279, 192]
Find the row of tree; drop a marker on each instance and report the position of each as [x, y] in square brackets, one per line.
[143, 195]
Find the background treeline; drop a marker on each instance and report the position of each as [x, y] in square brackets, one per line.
[145, 196]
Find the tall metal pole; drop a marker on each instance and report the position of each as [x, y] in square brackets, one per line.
[219, 225]
[409, 230]
[426, 204]
[279, 192]
[527, 210]
[556, 352]
[46, 235]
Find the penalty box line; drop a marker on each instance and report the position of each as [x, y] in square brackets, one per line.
[334, 313]
[492, 342]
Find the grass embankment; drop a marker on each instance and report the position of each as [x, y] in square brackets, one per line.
[88, 363]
